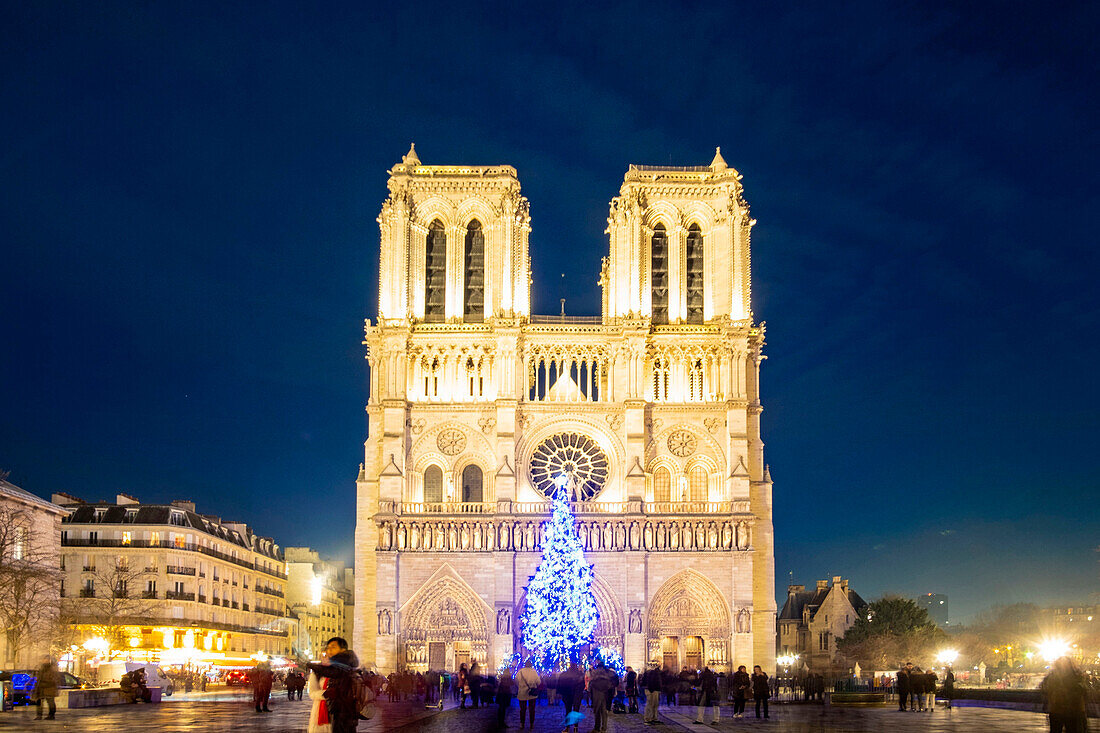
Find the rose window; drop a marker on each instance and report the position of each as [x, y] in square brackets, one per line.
[570, 463]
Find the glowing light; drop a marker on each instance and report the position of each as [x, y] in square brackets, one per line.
[317, 585]
[947, 656]
[169, 637]
[97, 644]
[787, 660]
[1051, 649]
[135, 641]
[189, 640]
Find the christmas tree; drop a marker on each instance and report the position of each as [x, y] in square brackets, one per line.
[561, 611]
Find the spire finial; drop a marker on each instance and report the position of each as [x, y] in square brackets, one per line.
[410, 158]
[719, 163]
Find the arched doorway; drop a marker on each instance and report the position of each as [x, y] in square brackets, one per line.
[444, 625]
[689, 624]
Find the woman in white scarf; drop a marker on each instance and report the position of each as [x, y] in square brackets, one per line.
[318, 716]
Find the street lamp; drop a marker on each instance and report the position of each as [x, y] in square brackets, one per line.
[947, 657]
[1051, 649]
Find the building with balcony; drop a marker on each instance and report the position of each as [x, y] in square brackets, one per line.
[164, 583]
[811, 621]
[320, 596]
[647, 417]
[30, 551]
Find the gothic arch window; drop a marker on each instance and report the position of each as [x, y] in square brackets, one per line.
[693, 285]
[473, 299]
[658, 273]
[695, 381]
[435, 272]
[660, 380]
[697, 484]
[433, 485]
[474, 379]
[472, 480]
[662, 485]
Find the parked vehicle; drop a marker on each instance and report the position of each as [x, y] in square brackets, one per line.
[110, 674]
[23, 682]
[236, 677]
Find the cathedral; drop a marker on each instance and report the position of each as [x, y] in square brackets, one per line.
[647, 416]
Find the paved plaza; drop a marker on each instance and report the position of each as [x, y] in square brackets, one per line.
[233, 712]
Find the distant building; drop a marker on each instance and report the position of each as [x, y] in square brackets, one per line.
[811, 622]
[160, 582]
[30, 548]
[936, 605]
[319, 595]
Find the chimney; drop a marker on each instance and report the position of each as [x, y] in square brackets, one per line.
[186, 505]
[822, 584]
[792, 589]
[836, 580]
[61, 498]
[125, 500]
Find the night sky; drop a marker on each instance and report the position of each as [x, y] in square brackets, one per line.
[189, 250]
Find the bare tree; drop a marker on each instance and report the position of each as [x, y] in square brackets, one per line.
[113, 601]
[29, 580]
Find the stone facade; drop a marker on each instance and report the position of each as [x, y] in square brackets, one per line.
[30, 552]
[319, 595]
[811, 621]
[647, 415]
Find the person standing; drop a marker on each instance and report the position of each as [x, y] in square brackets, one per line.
[318, 714]
[463, 686]
[651, 681]
[45, 688]
[339, 665]
[527, 692]
[916, 690]
[708, 696]
[600, 685]
[473, 678]
[631, 683]
[903, 688]
[949, 686]
[742, 684]
[571, 689]
[261, 677]
[930, 689]
[1065, 693]
[761, 690]
[504, 697]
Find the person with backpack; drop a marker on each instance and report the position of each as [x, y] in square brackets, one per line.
[341, 667]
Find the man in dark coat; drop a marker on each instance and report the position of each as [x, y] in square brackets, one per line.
[949, 686]
[1065, 692]
[708, 696]
[904, 687]
[262, 678]
[600, 685]
[651, 681]
[45, 688]
[571, 688]
[339, 666]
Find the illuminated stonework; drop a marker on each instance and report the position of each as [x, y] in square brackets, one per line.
[477, 408]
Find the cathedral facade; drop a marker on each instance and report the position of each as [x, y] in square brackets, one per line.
[647, 416]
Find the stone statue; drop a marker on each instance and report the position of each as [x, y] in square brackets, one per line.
[504, 621]
[634, 625]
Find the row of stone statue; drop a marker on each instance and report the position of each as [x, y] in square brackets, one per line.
[448, 535]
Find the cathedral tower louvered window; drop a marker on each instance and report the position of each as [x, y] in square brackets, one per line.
[695, 381]
[660, 380]
[435, 272]
[694, 275]
[433, 485]
[658, 273]
[473, 301]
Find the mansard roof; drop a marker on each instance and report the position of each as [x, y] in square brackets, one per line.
[800, 601]
[161, 514]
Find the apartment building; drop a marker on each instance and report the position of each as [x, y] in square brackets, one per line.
[164, 583]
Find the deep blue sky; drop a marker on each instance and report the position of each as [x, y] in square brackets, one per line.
[189, 249]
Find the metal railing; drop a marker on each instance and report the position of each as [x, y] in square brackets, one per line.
[173, 595]
[578, 507]
[167, 545]
[148, 594]
[179, 570]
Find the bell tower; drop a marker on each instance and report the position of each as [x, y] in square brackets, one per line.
[454, 244]
[679, 245]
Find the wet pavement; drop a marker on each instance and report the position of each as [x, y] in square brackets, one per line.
[232, 711]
